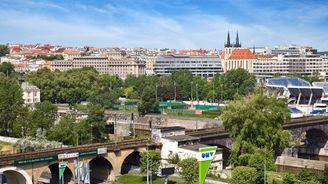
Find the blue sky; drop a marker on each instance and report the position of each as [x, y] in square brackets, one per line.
[189, 24]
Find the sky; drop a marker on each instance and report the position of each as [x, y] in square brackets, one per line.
[180, 24]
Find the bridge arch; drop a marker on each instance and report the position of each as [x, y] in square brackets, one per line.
[101, 170]
[130, 159]
[53, 171]
[131, 162]
[316, 137]
[16, 175]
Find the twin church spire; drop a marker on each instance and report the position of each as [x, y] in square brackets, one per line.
[229, 44]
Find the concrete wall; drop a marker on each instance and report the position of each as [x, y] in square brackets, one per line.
[163, 120]
[293, 164]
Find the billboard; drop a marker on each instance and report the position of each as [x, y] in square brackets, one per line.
[205, 157]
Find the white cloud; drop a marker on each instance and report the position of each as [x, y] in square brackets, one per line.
[126, 27]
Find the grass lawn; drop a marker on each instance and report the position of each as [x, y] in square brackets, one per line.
[140, 179]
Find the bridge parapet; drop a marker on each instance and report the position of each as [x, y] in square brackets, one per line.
[111, 147]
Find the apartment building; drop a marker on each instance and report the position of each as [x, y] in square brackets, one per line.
[120, 66]
[31, 94]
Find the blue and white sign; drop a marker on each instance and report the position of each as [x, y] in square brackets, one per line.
[209, 155]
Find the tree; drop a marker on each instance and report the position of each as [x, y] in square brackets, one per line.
[189, 170]
[243, 175]
[4, 50]
[255, 122]
[182, 82]
[44, 116]
[7, 68]
[235, 82]
[148, 103]
[97, 122]
[289, 179]
[105, 99]
[325, 175]
[64, 131]
[260, 159]
[36, 143]
[11, 104]
[23, 123]
[173, 158]
[154, 158]
[307, 176]
[165, 88]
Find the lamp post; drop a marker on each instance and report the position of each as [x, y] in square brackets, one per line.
[175, 91]
[222, 92]
[213, 91]
[147, 164]
[91, 135]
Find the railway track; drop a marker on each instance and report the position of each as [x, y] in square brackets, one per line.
[8, 159]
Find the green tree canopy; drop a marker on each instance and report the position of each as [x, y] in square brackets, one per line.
[97, 122]
[11, 104]
[189, 170]
[64, 131]
[243, 175]
[182, 81]
[254, 122]
[4, 49]
[234, 82]
[154, 159]
[44, 116]
[148, 103]
[7, 68]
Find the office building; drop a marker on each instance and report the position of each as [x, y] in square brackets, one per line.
[201, 65]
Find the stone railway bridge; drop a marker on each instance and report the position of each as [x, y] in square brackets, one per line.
[312, 129]
[123, 156]
[32, 167]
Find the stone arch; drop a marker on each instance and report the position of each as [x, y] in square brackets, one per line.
[125, 155]
[54, 171]
[101, 170]
[16, 175]
[315, 137]
[131, 162]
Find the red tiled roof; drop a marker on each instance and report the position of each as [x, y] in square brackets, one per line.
[71, 51]
[242, 54]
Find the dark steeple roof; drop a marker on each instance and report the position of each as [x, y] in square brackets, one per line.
[228, 44]
[237, 41]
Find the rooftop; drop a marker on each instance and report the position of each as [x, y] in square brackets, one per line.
[181, 138]
[171, 128]
[194, 147]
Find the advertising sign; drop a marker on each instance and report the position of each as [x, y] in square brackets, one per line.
[87, 153]
[62, 166]
[67, 156]
[35, 160]
[101, 151]
[205, 157]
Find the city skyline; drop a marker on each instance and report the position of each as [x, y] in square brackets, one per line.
[182, 24]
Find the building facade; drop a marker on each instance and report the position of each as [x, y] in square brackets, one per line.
[116, 66]
[201, 65]
[31, 94]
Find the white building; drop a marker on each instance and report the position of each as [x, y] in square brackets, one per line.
[175, 141]
[201, 65]
[31, 94]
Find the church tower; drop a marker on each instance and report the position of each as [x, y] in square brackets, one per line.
[238, 44]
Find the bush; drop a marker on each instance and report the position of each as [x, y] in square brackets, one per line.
[243, 175]
[307, 175]
[189, 170]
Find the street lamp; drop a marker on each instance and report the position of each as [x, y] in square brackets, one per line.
[91, 134]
